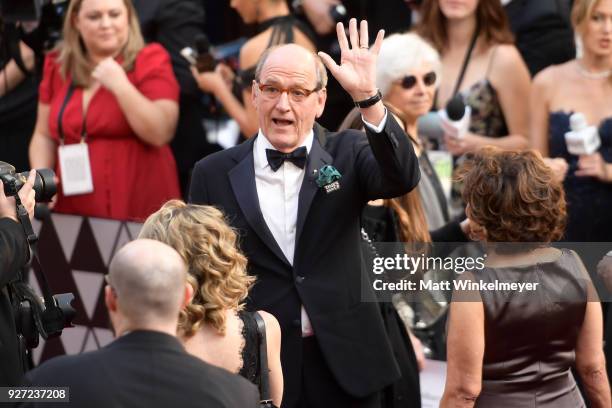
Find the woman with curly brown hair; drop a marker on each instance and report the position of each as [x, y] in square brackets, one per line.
[214, 326]
[508, 348]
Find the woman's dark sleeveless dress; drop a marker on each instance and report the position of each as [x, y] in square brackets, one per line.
[530, 337]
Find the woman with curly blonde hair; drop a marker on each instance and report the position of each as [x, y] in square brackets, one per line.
[214, 325]
[513, 347]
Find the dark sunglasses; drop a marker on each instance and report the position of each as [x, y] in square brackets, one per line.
[409, 81]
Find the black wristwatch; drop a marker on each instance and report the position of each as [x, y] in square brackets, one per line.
[366, 103]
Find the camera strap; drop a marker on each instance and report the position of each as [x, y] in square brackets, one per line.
[26, 224]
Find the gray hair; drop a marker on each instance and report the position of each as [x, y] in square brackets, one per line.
[399, 54]
[149, 279]
[319, 66]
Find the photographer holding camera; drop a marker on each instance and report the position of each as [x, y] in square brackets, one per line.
[14, 254]
[275, 25]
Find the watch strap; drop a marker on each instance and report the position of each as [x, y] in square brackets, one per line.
[366, 103]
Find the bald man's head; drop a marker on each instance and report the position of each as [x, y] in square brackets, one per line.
[149, 279]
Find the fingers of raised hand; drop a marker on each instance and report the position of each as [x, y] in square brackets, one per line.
[353, 34]
[359, 37]
[363, 35]
[378, 42]
[342, 40]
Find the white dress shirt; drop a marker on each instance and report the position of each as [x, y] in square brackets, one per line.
[278, 194]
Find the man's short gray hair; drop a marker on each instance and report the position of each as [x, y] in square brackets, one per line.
[399, 54]
[319, 66]
[149, 279]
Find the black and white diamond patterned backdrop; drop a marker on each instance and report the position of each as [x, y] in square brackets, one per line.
[75, 253]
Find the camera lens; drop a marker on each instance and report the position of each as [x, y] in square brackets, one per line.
[44, 185]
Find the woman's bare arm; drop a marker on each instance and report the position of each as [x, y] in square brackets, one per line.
[42, 147]
[465, 351]
[273, 336]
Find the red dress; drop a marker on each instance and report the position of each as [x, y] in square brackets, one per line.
[131, 178]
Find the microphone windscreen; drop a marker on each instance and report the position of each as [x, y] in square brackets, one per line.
[202, 44]
[455, 109]
[429, 127]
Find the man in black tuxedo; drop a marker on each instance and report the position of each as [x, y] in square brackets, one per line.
[146, 366]
[300, 227]
[14, 253]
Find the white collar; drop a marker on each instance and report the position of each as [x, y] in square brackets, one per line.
[262, 143]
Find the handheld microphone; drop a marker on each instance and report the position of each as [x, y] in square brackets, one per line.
[429, 127]
[582, 138]
[455, 119]
[455, 108]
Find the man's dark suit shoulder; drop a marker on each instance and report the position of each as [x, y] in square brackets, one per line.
[102, 374]
[220, 159]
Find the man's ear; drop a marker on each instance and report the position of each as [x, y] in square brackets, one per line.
[321, 98]
[254, 93]
[188, 295]
[110, 298]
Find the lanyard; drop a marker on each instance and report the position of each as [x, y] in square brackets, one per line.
[60, 117]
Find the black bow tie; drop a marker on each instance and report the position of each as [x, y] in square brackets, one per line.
[297, 157]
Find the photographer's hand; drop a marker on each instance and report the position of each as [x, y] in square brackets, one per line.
[213, 82]
[26, 195]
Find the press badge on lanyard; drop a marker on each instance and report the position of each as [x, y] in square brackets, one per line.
[74, 162]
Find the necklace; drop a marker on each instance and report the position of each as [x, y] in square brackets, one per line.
[592, 75]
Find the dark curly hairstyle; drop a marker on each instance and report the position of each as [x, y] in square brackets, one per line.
[513, 195]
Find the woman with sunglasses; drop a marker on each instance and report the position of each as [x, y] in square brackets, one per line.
[407, 75]
[481, 64]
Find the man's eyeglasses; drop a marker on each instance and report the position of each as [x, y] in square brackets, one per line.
[296, 94]
[409, 81]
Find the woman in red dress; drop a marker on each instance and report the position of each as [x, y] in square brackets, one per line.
[108, 99]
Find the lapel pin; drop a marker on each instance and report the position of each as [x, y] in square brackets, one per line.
[328, 178]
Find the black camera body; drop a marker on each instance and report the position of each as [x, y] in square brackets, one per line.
[44, 186]
[35, 316]
[200, 56]
[48, 14]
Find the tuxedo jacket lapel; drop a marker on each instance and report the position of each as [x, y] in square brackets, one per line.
[317, 158]
[242, 180]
